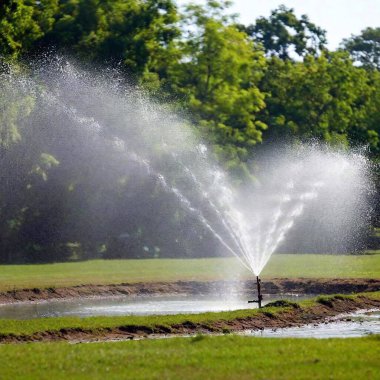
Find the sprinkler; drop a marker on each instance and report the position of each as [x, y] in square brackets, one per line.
[259, 295]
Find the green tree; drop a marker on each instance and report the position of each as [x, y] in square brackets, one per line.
[22, 23]
[218, 75]
[13, 108]
[365, 48]
[365, 129]
[283, 34]
[135, 33]
[322, 97]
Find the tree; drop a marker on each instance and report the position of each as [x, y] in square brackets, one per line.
[365, 129]
[323, 97]
[13, 108]
[283, 34]
[135, 33]
[365, 48]
[22, 23]
[218, 75]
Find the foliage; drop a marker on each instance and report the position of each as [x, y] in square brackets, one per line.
[323, 97]
[284, 35]
[218, 75]
[22, 23]
[136, 33]
[365, 48]
[243, 87]
[13, 108]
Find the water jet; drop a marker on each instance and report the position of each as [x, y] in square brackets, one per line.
[144, 164]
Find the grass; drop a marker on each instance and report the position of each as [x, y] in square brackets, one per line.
[30, 326]
[92, 324]
[222, 357]
[119, 271]
[199, 357]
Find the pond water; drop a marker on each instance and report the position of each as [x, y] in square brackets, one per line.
[360, 323]
[147, 305]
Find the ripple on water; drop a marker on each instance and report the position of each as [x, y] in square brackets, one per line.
[119, 306]
[358, 324]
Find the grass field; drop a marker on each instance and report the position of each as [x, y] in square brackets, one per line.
[222, 357]
[119, 271]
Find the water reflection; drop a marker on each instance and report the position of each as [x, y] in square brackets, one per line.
[358, 324]
[114, 306]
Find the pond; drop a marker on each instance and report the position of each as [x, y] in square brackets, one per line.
[360, 323]
[142, 305]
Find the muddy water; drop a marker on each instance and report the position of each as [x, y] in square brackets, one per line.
[361, 323]
[113, 306]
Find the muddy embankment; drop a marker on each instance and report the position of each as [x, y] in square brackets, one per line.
[216, 288]
[281, 314]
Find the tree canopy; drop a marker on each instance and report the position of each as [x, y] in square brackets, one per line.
[285, 35]
[365, 48]
[242, 88]
[218, 75]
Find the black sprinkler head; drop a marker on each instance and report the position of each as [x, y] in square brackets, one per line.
[259, 295]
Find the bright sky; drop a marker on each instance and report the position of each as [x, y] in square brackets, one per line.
[340, 18]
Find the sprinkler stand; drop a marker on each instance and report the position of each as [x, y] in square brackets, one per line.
[259, 295]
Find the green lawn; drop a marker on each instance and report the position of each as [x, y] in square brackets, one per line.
[119, 271]
[221, 357]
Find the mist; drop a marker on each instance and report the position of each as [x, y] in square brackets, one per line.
[92, 167]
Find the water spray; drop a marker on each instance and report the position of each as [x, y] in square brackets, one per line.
[259, 295]
[130, 134]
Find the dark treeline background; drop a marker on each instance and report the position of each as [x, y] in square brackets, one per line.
[245, 87]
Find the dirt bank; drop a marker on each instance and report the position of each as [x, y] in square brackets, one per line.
[272, 286]
[281, 314]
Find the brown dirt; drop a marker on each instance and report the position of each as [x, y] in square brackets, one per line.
[294, 315]
[272, 286]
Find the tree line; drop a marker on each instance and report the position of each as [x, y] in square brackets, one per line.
[244, 88]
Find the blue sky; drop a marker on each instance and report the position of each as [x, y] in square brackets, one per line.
[340, 18]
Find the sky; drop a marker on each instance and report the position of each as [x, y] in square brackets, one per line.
[340, 18]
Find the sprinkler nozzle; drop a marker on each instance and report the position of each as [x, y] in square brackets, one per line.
[259, 295]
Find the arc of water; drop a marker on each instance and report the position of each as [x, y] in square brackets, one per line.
[187, 203]
[249, 248]
[238, 218]
[72, 113]
[225, 222]
[284, 199]
[288, 222]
